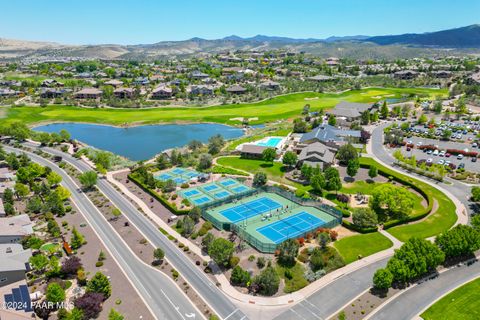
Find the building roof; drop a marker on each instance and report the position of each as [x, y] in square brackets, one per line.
[16, 226]
[126, 90]
[13, 257]
[252, 148]
[350, 109]
[162, 88]
[316, 152]
[236, 88]
[320, 77]
[326, 133]
[89, 91]
[114, 82]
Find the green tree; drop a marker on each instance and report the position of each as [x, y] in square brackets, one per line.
[114, 315]
[44, 138]
[21, 190]
[317, 261]
[77, 239]
[62, 192]
[289, 159]
[8, 196]
[476, 194]
[64, 135]
[239, 277]
[259, 179]
[318, 183]
[215, 144]
[346, 153]
[332, 120]
[100, 284]
[352, 167]
[158, 254]
[364, 217]
[221, 250]
[53, 178]
[299, 126]
[415, 258]
[207, 241]
[384, 110]
[55, 293]
[88, 179]
[188, 226]
[475, 221]
[269, 154]
[287, 252]
[422, 119]
[461, 240]
[332, 178]
[372, 172]
[205, 161]
[103, 158]
[195, 214]
[39, 262]
[162, 161]
[393, 200]
[382, 279]
[267, 282]
[365, 117]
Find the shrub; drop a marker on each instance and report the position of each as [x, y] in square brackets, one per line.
[261, 262]
[234, 260]
[343, 198]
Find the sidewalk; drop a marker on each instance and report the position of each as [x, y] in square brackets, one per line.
[225, 285]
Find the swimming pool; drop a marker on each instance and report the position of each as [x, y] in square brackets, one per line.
[271, 142]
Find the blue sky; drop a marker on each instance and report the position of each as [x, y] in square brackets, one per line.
[149, 21]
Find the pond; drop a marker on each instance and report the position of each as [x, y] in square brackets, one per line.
[142, 142]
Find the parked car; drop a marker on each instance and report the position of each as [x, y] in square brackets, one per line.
[447, 155]
[441, 161]
[461, 166]
[429, 160]
[460, 157]
[435, 153]
[474, 159]
[442, 153]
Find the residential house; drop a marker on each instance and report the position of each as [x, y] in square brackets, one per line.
[6, 92]
[405, 74]
[162, 92]
[252, 151]
[13, 263]
[49, 93]
[270, 85]
[236, 89]
[51, 83]
[316, 154]
[197, 75]
[203, 90]
[141, 81]
[474, 79]
[124, 93]
[88, 93]
[114, 83]
[330, 136]
[320, 78]
[442, 74]
[13, 229]
[332, 61]
[350, 111]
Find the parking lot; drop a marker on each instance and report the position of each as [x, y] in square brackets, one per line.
[442, 145]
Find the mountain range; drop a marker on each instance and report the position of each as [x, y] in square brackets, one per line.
[465, 39]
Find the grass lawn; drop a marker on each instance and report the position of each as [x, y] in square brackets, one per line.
[281, 107]
[437, 222]
[363, 244]
[461, 304]
[297, 280]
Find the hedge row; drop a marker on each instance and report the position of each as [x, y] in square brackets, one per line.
[405, 181]
[351, 226]
[155, 195]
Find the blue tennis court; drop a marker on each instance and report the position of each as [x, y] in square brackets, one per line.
[178, 170]
[250, 209]
[227, 182]
[221, 194]
[240, 189]
[291, 227]
[179, 180]
[201, 200]
[165, 176]
[191, 193]
[210, 187]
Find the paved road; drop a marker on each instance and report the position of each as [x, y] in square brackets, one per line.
[162, 296]
[193, 274]
[460, 190]
[418, 298]
[330, 299]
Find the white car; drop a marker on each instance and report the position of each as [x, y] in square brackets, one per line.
[441, 161]
[435, 153]
[419, 143]
[460, 157]
[442, 153]
[429, 160]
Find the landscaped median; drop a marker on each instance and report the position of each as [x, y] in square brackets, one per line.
[442, 219]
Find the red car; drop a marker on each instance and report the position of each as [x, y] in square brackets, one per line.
[447, 155]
